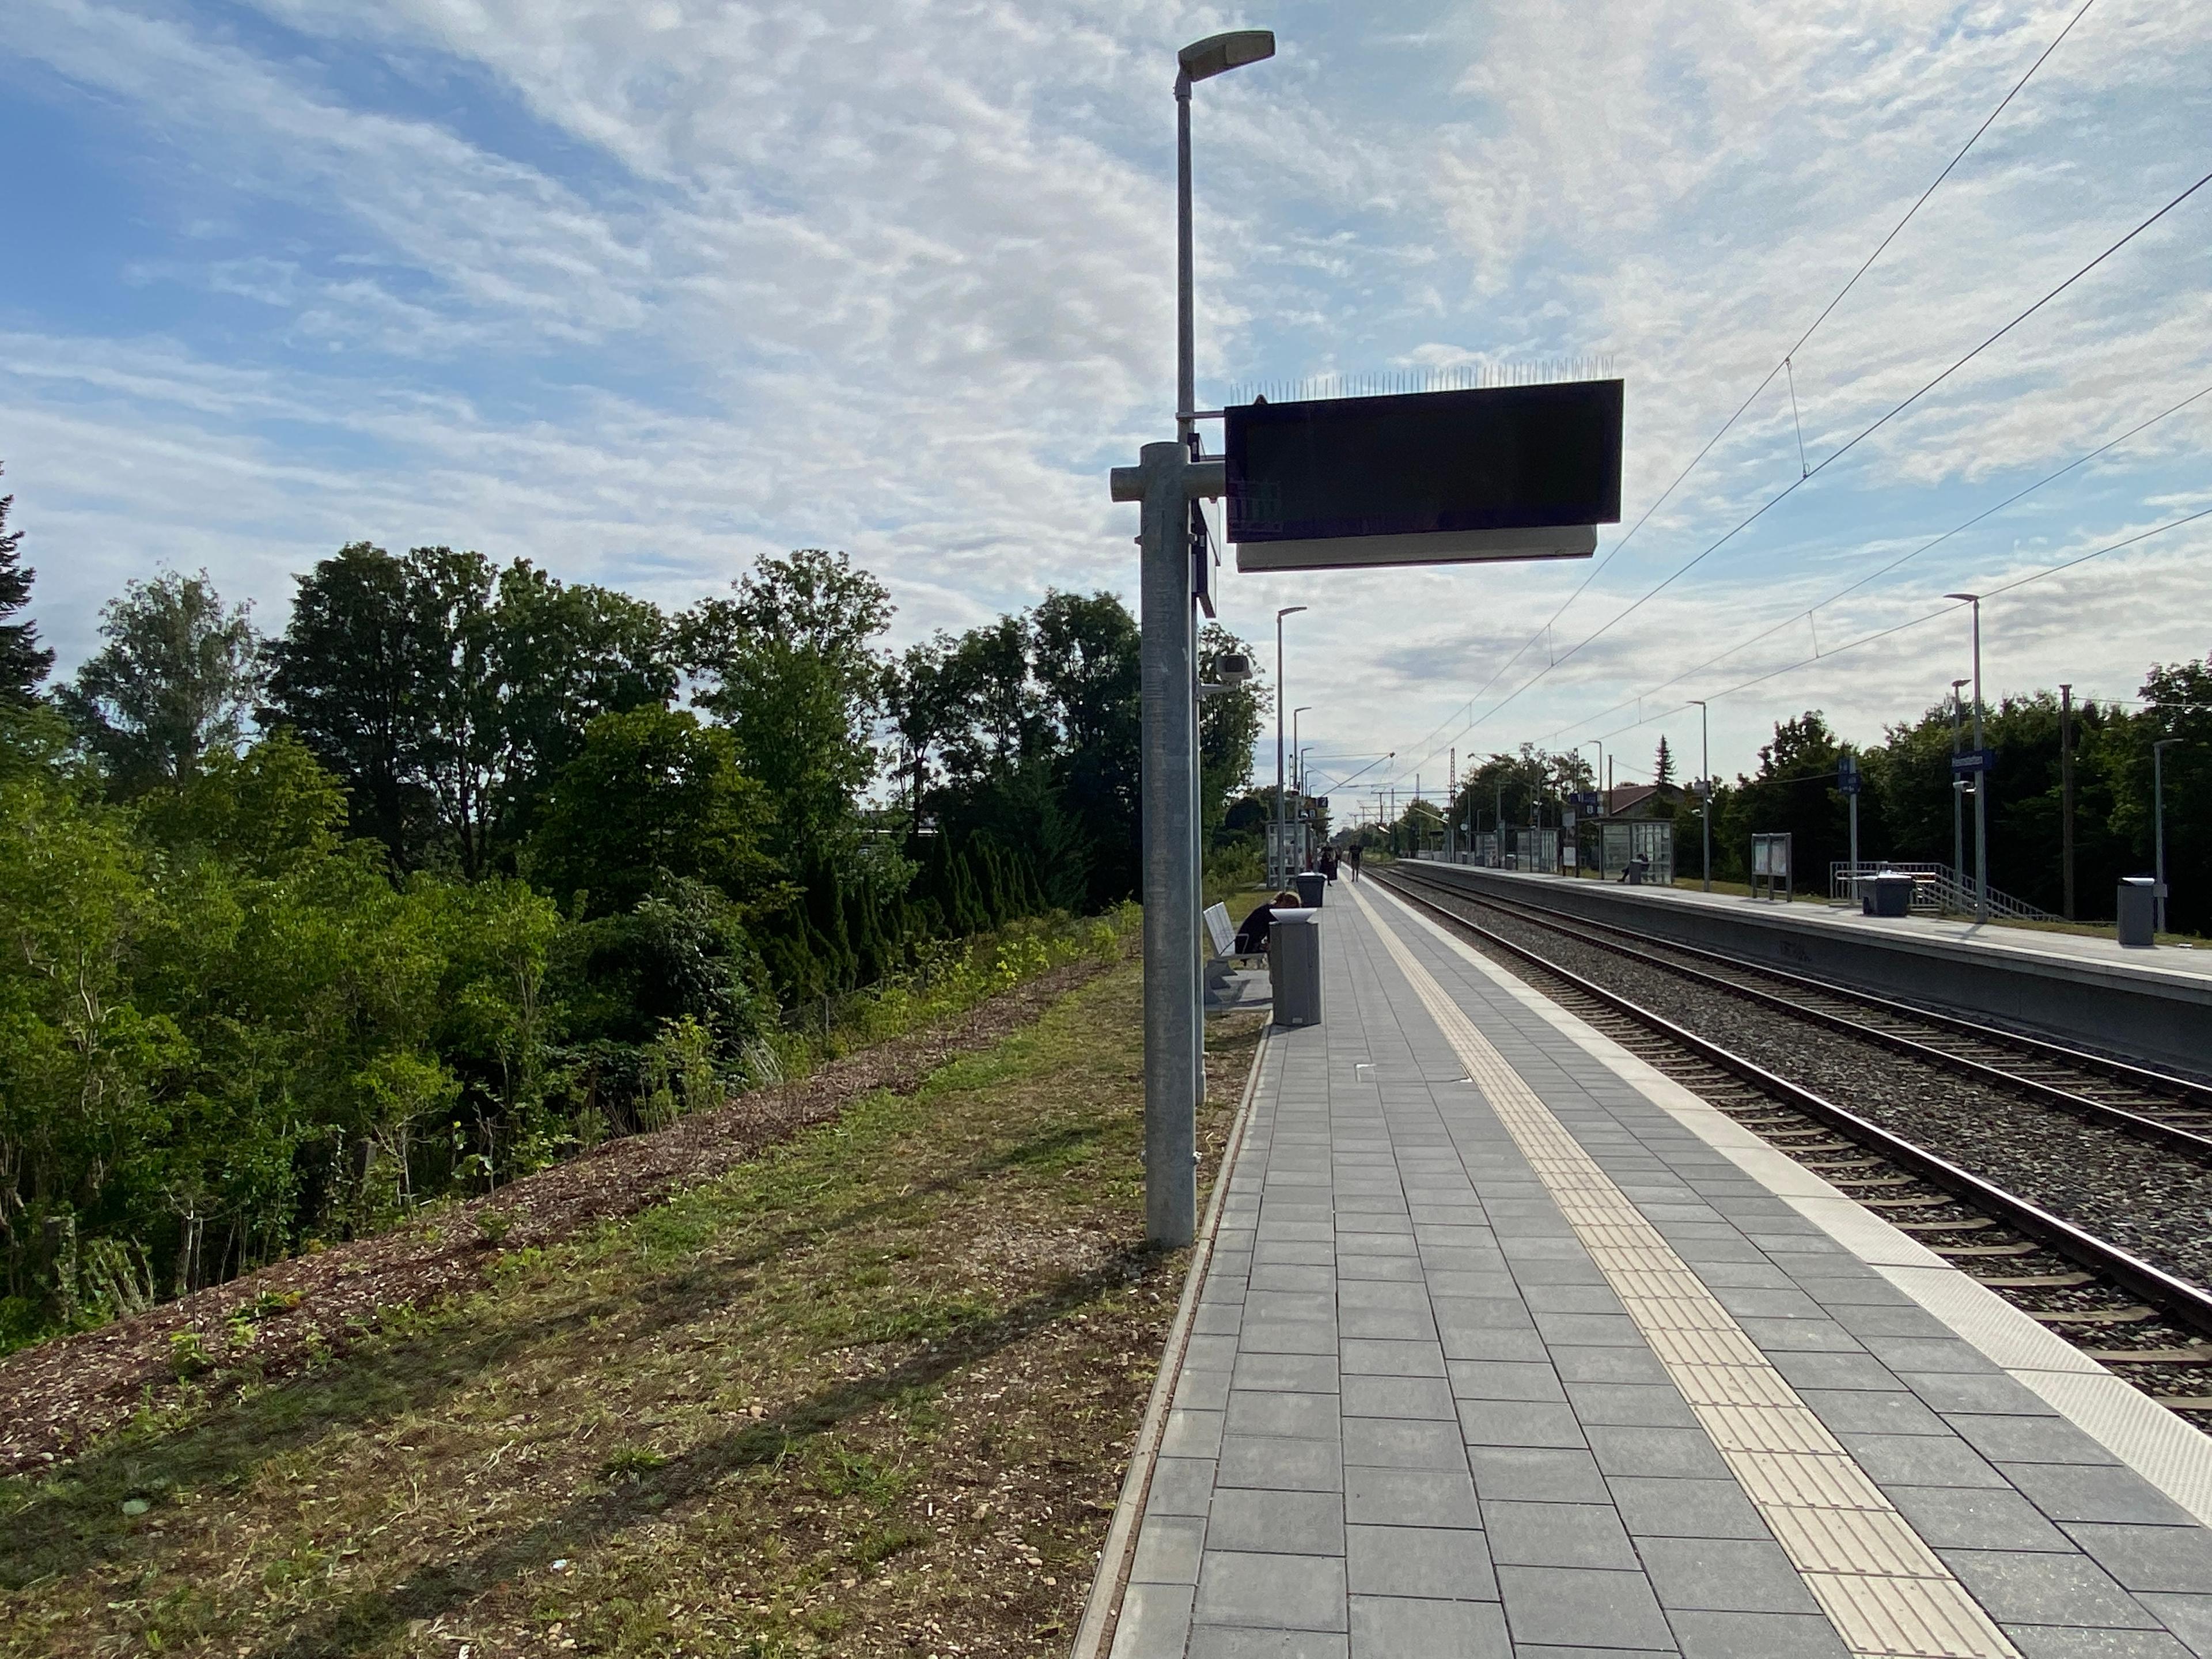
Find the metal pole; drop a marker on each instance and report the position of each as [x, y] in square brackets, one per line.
[1854, 798]
[1705, 770]
[1165, 481]
[1981, 788]
[2158, 831]
[1958, 796]
[1277, 866]
[2066, 791]
[1186, 370]
[1451, 807]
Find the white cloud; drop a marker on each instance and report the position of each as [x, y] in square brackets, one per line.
[644, 292]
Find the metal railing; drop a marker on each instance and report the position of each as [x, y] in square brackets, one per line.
[1937, 888]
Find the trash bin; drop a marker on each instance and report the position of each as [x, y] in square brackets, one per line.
[1889, 894]
[1294, 966]
[1311, 885]
[2138, 911]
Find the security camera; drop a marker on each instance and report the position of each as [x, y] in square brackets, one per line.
[1233, 668]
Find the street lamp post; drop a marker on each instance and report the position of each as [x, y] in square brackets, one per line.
[1958, 786]
[1166, 481]
[1705, 772]
[2158, 830]
[1282, 815]
[1981, 775]
[1298, 767]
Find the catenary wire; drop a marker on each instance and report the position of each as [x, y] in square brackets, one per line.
[1833, 455]
[1613, 552]
[1796, 616]
[2033, 576]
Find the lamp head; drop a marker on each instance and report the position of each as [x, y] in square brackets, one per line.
[1217, 54]
[1970, 599]
[1288, 611]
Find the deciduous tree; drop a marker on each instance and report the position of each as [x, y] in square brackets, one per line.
[176, 679]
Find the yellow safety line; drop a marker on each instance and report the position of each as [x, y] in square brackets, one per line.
[1887, 1593]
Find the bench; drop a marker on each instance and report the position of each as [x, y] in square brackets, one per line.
[1224, 956]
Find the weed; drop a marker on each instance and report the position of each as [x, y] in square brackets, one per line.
[628, 1463]
[493, 1225]
[189, 1355]
[879, 1543]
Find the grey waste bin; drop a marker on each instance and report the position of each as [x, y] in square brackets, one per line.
[2137, 911]
[1885, 895]
[1312, 886]
[1294, 966]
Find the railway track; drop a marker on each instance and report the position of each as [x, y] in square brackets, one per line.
[2150, 1327]
[2154, 1106]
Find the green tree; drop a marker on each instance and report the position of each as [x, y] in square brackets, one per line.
[176, 679]
[1085, 657]
[788, 666]
[344, 675]
[24, 664]
[1229, 722]
[565, 654]
[653, 795]
[2177, 706]
[448, 694]
[1793, 792]
[1662, 764]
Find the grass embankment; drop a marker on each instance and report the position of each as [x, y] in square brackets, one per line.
[867, 1393]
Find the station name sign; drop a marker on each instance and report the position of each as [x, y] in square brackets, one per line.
[1424, 477]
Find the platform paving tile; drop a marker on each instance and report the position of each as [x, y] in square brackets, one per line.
[1416, 1419]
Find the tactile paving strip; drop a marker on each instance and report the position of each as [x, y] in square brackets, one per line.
[1887, 1593]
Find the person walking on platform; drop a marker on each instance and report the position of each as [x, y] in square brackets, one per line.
[1352, 853]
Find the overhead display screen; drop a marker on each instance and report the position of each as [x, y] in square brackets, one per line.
[1426, 476]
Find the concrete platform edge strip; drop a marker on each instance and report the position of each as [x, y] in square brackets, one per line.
[1101, 1608]
[2167, 1452]
[1880, 1585]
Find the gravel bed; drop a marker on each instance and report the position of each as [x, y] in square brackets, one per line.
[2154, 1203]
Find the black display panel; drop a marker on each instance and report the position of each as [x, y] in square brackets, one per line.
[1507, 458]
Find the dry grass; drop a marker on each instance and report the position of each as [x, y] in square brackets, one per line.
[869, 1392]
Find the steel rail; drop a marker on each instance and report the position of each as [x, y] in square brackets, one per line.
[2119, 1117]
[2187, 1302]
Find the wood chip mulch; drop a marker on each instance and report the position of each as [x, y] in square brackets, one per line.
[56, 1396]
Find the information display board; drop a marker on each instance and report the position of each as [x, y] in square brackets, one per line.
[1424, 477]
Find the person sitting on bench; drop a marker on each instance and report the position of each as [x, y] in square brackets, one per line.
[1252, 936]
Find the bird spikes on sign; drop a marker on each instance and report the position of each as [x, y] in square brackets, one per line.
[1460, 377]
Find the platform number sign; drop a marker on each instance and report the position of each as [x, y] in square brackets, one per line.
[1847, 775]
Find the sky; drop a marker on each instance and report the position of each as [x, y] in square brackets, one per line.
[641, 291]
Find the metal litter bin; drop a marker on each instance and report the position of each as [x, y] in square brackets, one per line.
[2138, 911]
[1312, 885]
[1294, 966]
[1885, 895]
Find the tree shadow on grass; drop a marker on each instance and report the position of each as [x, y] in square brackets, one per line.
[438, 1589]
[66, 1528]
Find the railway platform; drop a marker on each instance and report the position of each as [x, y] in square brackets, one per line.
[2155, 1005]
[1506, 1345]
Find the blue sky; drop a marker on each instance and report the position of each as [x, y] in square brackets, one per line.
[641, 291]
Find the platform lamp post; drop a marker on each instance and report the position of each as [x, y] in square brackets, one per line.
[1282, 815]
[1705, 776]
[1981, 775]
[1298, 767]
[2158, 830]
[1958, 787]
[1166, 481]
